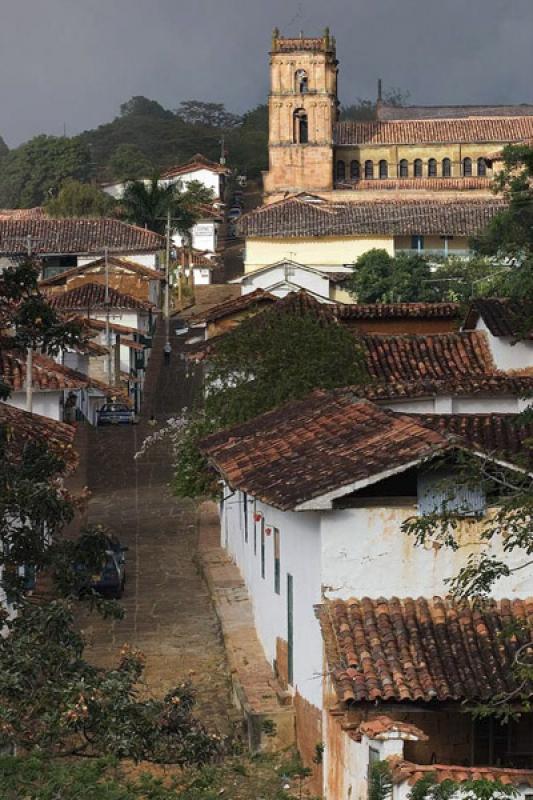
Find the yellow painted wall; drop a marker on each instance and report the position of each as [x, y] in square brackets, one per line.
[393, 154]
[457, 244]
[312, 251]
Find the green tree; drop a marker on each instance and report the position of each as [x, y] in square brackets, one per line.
[381, 278]
[4, 149]
[76, 199]
[248, 143]
[143, 107]
[149, 203]
[212, 115]
[428, 788]
[34, 171]
[128, 163]
[509, 236]
[271, 358]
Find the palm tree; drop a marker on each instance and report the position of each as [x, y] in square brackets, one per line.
[147, 203]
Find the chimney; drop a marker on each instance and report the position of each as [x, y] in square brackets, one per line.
[380, 95]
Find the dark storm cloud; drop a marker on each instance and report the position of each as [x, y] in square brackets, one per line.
[75, 61]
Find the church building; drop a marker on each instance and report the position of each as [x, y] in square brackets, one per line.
[408, 151]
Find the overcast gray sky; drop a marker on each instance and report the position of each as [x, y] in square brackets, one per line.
[75, 61]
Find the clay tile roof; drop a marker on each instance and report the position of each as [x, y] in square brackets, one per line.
[326, 442]
[23, 427]
[422, 650]
[406, 366]
[114, 262]
[197, 257]
[22, 213]
[406, 358]
[92, 296]
[377, 727]
[76, 236]
[235, 305]
[197, 162]
[298, 217]
[48, 375]
[503, 317]
[398, 311]
[508, 435]
[407, 771]
[469, 130]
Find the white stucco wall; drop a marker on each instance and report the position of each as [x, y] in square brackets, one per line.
[130, 319]
[287, 276]
[468, 404]
[211, 180]
[48, 404]
[203, 236]
[365, 553]
[300, 557]
[506, 355]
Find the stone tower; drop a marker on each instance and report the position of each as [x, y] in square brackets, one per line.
[302, 113]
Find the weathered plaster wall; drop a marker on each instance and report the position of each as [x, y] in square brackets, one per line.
[313, 251]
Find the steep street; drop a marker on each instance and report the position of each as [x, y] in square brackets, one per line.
[168, 612]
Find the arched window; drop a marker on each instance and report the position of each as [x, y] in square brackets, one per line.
[369, 169]
[383, 169]
[446, 168]
[341, 171]
[404, 168]
[432, 168]
[355, 170]
[481, 167]
[417, 168]
[467, 167]
[301, 81]
[301, 133]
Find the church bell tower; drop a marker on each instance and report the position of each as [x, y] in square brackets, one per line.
[303, 109]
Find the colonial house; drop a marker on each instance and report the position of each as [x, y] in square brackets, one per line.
[329, 236]
[196, 265]
[445, 372]
[61, 244]
[287, 276]
[124, 275]
[315, 497]
[203, 236]
[226, 316]
[52, 383]
[406, 152]
[198, 169]
[122, 314]
[508, 326]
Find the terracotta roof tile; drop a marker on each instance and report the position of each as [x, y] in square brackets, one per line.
[504, 434]
[422, 650]
[378, 727]
[83, 236]
[115, 263]
[197, 162]
[298, 217]
[23, 427]
[398, 311]
[473, 130]
[388, 111]
[92, 296]
[405, 770]
[310, 447]
[48, 375]
[22, 213]
[502, 316]
[235, 305]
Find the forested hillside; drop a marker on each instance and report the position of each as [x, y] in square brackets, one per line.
[142, 140]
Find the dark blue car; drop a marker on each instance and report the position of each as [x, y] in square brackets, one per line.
[111, 579]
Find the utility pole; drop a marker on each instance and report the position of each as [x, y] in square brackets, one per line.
[107, 328]
[29, 353]
[167, 282]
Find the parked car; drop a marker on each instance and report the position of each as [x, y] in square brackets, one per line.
[112, 577]
[115, 414]
[181, 326]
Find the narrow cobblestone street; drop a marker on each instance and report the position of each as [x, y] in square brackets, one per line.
[168, 611]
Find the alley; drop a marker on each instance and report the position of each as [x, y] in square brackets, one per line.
[168, 612]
